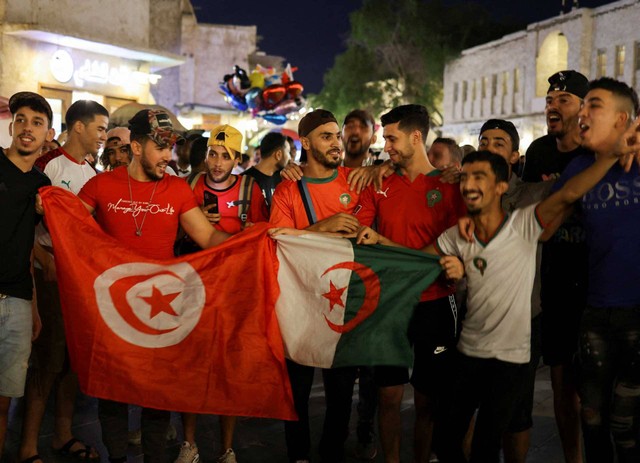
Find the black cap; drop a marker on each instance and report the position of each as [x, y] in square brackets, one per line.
[365, 116]
[313, 120]
[30, 100]
[569, 81]
[505, 126]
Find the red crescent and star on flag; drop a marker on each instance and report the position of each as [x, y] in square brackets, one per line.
[372, 295]
[158, 302]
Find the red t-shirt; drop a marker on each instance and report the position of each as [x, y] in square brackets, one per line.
[413, 214]
[228, 205]
[329, 196]
[108, 194]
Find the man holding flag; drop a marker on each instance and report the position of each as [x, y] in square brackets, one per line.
[413, 207]
[320, 201]
[142, 207]
[19, 182]
[494, 345]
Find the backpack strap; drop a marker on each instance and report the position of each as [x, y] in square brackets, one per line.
[195, 179]
[303, 188]
[244, 198]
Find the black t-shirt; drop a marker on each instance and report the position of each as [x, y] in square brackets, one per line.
[267, 183]
[564, 256]
[17, 208]
[544, 161]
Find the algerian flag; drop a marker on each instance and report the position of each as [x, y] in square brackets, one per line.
[342, 304]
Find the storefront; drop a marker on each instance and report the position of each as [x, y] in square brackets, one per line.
[65, 69]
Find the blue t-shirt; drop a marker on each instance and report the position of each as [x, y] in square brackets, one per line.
[611, 213]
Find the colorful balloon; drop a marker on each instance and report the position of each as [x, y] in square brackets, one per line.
[264, 93]
[254, 98]
[272, 95]
[286, 106]
[294, 89]
[277, 119]
[257, 79]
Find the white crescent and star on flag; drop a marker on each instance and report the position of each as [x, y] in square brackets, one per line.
[150, 305]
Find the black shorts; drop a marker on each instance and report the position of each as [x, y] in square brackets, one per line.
[561, 313]
[433, 332]
[522, 418]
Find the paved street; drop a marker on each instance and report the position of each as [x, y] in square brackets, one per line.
[261, 440]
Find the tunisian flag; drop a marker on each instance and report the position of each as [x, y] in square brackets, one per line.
[197, 333]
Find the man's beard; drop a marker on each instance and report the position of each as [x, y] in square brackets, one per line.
[324, 159]
[149, 169]
[220, 179]
[357, 153]
[25, 153]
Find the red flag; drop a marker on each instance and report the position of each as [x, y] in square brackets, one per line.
[194, 334]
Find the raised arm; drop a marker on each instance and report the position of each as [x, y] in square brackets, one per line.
[577, 186]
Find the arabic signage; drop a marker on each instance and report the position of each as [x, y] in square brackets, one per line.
[63, 70]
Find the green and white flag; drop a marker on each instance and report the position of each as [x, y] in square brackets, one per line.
[343, 304]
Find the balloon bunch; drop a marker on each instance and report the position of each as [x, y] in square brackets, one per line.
[264, 93]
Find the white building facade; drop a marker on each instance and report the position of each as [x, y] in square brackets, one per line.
[507, 78]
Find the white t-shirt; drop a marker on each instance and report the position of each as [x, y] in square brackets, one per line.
[500, 277]
[63, 171]
[66, 172]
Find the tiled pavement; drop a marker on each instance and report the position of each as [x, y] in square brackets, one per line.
[262, 440]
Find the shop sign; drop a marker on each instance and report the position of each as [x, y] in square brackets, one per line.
[97, 72]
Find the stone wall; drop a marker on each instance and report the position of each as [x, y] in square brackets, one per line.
[510, 74]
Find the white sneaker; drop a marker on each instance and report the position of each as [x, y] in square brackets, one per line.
[228, 457]
[188, 454]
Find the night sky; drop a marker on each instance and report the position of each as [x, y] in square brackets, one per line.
[310, 33]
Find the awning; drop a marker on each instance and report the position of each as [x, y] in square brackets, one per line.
[155, 59]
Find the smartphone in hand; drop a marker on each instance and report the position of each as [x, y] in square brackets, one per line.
[209, 199]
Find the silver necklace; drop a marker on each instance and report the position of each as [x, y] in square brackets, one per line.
[135, 221]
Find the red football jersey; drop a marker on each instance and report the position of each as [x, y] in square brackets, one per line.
[329, 196]
[413, 214]
[228, 205]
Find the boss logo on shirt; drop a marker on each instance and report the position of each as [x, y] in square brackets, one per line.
[345, 199]
[433, 197]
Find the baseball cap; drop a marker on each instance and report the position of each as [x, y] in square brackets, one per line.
[506, 126]
[30, 100]
[313, 120]
[569, 81]
[156, 124]
[118, 136]
[365, 116]
[227, 136]
[193, 134]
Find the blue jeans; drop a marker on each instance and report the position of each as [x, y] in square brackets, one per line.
[609, 383]
[15, 344]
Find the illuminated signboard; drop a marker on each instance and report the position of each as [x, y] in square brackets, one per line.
[95, 71]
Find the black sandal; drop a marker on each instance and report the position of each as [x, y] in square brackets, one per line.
[83, 453]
